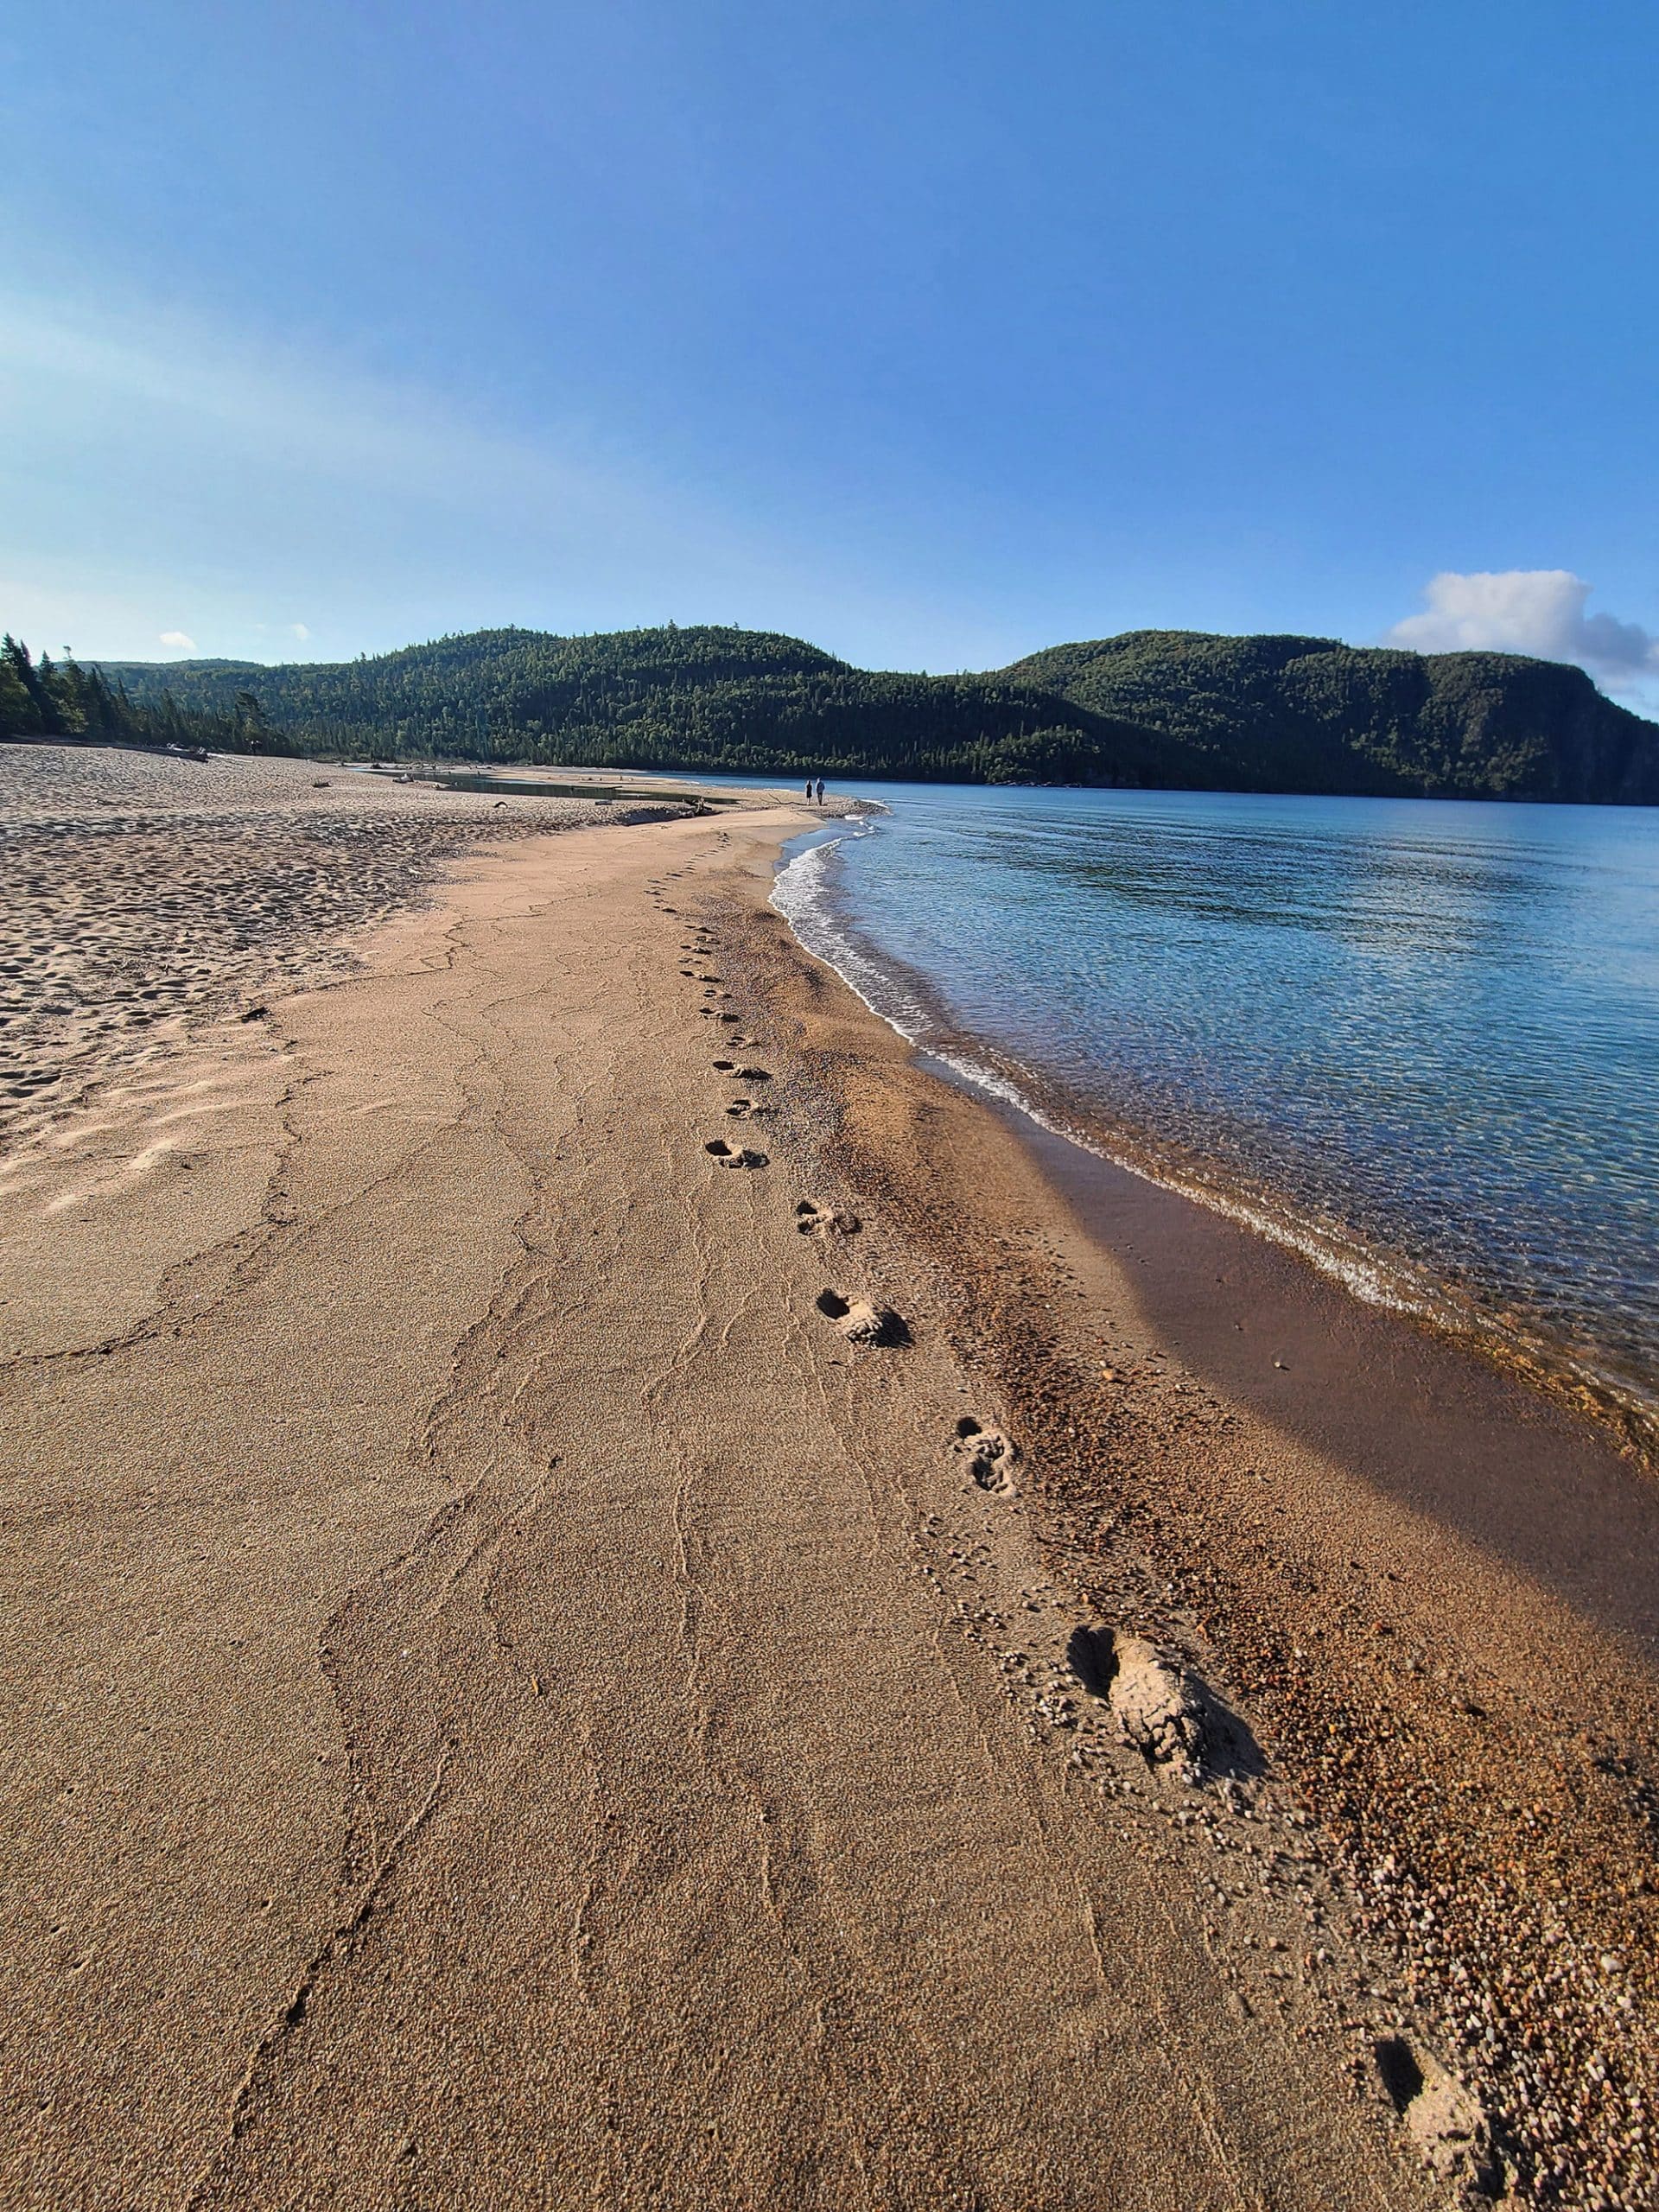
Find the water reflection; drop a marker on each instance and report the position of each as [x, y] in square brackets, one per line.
[1434, 1027]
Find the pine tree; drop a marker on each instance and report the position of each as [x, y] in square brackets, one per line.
[19, 716]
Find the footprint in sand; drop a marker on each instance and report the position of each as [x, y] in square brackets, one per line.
[990, 1456]
[1157, 1704]
[744, 1109]
[861, 1322]
[727, 1155]
[1443, 2118]
[816, 1217]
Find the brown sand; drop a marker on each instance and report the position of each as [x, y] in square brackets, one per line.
[515, 1706]
[142, 889]
[1431, 1589]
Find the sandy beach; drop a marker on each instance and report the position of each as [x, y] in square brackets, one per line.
[620, 1596]
[145, 889]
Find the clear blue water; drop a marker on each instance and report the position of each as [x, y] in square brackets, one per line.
[1419, 1040]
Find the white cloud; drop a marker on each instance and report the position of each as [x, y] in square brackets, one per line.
[300, 631]
[178, 641]
[1537, 611]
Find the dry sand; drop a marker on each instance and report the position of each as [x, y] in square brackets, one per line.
[550, 1511]
[142, 889]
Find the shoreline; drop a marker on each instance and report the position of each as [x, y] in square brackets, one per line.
[553, 1713]
[1623, 1404]
[1499, 1621]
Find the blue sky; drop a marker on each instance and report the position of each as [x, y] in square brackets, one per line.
[933, 333]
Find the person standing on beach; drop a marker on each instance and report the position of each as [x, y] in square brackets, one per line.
[808, 790]
[820, 791]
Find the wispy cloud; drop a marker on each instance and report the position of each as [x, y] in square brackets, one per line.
[309, 421]
[171, 461]
[176, 641]
[1537, 611]
[191, 459]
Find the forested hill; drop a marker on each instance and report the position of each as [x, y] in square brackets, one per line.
[1167, 707]
[61, 700]
[1310, 714]
[704, 697]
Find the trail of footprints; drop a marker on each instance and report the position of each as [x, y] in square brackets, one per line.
[1161, 1718]
[697, 946]
[1138, 1698]
[860, 1320]
[1157, 1707]
[987, 1455]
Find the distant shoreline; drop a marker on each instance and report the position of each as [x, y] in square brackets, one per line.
[1150, 709]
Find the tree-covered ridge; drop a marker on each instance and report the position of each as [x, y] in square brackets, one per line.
[1313, 714]
[64, 699]
[1178, 708]
[702, 697]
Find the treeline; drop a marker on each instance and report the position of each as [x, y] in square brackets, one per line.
[1176, 708]
[1292, 714]
[707, 697]
[65, 699]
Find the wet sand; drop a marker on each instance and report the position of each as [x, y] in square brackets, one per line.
[519, 1701]
[1441, 1431]
[1430, 1589]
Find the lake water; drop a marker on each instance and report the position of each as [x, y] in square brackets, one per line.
[1419, 1040]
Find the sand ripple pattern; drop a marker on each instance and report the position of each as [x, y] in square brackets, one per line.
[143, 891]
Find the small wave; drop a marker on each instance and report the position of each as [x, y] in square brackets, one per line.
[802, 893]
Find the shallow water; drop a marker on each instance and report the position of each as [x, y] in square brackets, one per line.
[1419, 1040]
